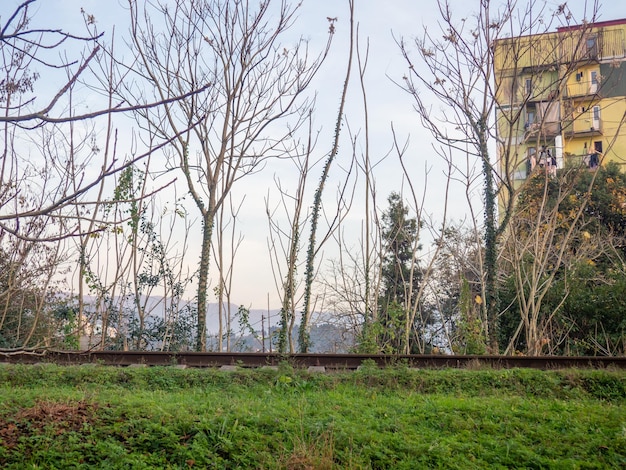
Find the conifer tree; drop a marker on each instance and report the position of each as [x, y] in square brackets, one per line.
[399, 272]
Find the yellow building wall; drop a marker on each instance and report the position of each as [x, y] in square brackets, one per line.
[564, 67]
[559, 62]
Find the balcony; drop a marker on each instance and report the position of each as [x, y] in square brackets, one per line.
[582, 127]
[592, 44]
[541, 131]
[581, 89]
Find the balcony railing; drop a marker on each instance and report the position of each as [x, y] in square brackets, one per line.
[583, 88]
[544, 130]
[554, 49]
[582, 126]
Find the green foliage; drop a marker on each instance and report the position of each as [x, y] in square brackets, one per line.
[592, 314]
[392, 324]
[125, 196]
[33, 310]
[283, 331]
[401, 276]
[175, 334]
[587, 294]
[471, 338]
[66, 314]
[136, 330]
[492, 231]
[455, 295]
[243, 317]
[100, 417]
[368, 338]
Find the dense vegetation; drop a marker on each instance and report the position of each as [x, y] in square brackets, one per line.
[569, 275]
[90, 416]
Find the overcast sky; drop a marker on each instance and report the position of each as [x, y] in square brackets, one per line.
[379, 22]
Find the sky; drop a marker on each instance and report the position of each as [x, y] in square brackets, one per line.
[381, 24]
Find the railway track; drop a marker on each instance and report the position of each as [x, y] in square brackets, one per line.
[327, 361]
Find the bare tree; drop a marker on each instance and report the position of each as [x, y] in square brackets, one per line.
[250, 81]
[284, 244]
[460, 75]
[456, 69]
[535, 264]
[303, 336]
[454, 289]
[37, 193]
[31, 292]
[24, 49]
[64, 181]
[352, 281]
[224, 250]
[554, 230]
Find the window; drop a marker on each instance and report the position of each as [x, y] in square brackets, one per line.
[594, 81]
[595, 122]
[598, 146]
[529, 86]
[592, 50]
[595, 155]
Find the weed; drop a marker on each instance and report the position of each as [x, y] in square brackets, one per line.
[310, 452]
[55, 417]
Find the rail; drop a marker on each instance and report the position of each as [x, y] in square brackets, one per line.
[327, 361]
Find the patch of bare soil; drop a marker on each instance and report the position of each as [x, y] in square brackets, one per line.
[46, 417]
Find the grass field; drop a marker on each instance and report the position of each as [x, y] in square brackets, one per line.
[132, 418]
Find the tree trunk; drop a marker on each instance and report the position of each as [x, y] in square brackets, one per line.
[203, 279]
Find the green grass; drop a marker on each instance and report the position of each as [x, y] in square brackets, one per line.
[102, 417]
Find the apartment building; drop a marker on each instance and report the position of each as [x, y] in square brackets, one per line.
[561, 99]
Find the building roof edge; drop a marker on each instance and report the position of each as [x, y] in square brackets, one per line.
[597, 24]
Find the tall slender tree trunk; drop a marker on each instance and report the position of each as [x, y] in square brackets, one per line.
[491, 245]
[203, 279]
[303, 335]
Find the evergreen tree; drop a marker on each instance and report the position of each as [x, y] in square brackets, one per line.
[399, 235]
[400, 274]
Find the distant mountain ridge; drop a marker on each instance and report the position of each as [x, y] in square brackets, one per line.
[325, 336]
